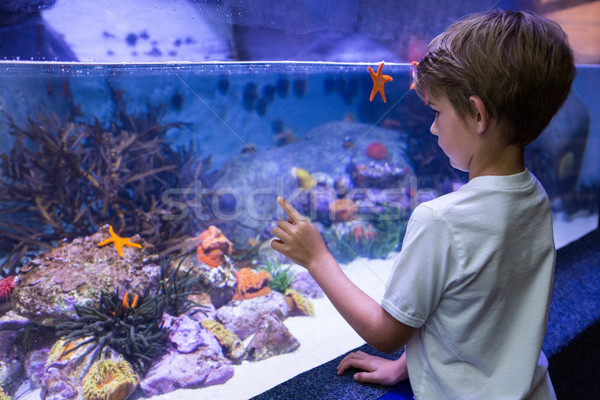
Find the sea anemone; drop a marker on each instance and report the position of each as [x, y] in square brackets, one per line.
[6, 287]
[134, 330]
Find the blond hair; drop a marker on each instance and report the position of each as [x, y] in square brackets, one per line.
[518, 63]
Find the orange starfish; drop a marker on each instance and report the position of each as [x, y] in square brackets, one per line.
[118, 241]
[378, 81]
[413, 84]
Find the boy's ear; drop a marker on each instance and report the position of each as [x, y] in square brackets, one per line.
[481, 118]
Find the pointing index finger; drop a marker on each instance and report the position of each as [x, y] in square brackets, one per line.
[294, 215]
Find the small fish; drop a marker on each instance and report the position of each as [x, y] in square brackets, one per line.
[348, 142]
[305, 179]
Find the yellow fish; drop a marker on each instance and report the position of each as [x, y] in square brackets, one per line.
[305, 180]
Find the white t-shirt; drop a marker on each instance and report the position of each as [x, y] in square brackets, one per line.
[475, 277]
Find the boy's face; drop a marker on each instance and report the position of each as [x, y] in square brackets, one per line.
[454, 135]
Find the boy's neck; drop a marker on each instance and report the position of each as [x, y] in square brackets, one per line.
[508, 160]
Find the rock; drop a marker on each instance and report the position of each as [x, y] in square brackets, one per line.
[35, 362]
[232, 346]
[63, 373]
[243, 316]
[305, 285]
[11, 321]
[218, 282]
[208, 309]
[76, 273]
[187, 335]
[56, 387]
[11, 359]
[175, 370]
[195, 359]
[255, 181]
[272, 338]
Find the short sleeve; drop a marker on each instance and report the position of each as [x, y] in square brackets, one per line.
[422, 270]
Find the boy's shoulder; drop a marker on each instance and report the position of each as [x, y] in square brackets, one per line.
[485, 197]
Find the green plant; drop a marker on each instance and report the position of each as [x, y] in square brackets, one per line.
[281, 277]
[348, 240]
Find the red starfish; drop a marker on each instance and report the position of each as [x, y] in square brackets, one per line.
[378, 81]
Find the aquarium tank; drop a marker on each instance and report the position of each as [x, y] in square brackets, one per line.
[143, 144]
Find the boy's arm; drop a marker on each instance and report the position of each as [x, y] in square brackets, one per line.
[300, 240]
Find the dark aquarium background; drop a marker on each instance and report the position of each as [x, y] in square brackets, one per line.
[143, 146]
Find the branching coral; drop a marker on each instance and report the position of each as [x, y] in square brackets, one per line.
[64, 178]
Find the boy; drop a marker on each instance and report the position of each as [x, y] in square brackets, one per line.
[470, 290]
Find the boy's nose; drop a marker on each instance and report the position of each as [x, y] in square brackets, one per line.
[433, 129]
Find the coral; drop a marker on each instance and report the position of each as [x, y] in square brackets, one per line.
[377, 175]
[6, 286]
[376, 151]
[64, 178]
[343, 210]
[65, 350]
[134, 331]
[4, 396]
[229, 341]
[373, 239]
[109, 380]
[118, 241]
[363, 232]
[213, 247]
[298, 305]
[251, 284]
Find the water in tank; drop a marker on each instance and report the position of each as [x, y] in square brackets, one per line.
[144, 144]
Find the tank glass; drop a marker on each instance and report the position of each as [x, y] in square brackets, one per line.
[143, 147]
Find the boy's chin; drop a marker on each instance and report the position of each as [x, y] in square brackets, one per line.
[458, 167]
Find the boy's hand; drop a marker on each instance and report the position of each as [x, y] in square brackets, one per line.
[297, 238]
[376, 369]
